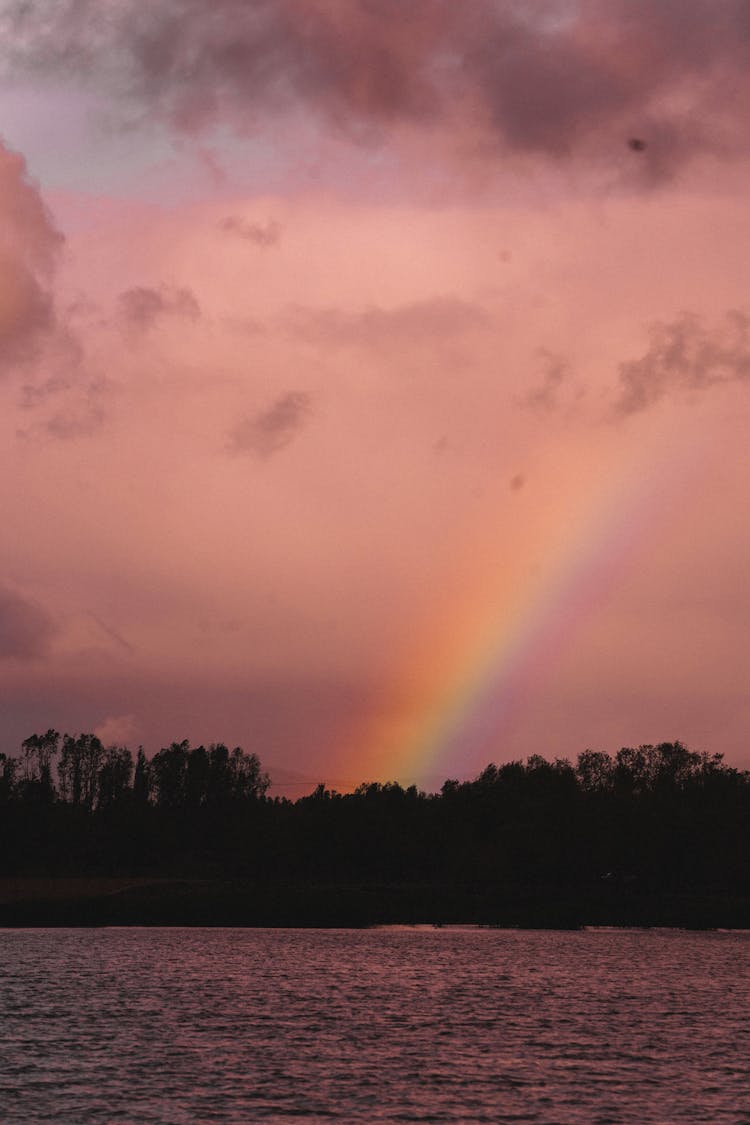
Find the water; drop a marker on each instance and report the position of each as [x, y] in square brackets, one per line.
[188, 1026]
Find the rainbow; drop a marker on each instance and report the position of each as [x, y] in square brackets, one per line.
[502, 623]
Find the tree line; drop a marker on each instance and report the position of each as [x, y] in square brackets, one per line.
[654, 818]
[95, 777]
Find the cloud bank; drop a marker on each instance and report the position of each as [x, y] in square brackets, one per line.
[550, 78]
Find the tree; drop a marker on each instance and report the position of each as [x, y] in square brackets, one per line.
[595, 770]
[78, 769]
[141, 779]
[8, 768]
[169, 774]
[113, 782]
[37, 753]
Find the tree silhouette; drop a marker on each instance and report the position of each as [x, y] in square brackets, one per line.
[652, 820]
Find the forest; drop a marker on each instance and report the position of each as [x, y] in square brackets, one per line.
[656, 834]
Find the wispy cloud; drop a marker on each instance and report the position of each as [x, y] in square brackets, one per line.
[111, 632]
[261, 234]
[69, 404]
[431, 322]
[553, 372]
[684, 356]
[142, 306]
[269, 431]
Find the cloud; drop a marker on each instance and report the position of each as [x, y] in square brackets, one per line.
[29, 243]
[34, 394]
[69, 404]
[111, 633]
[76, 422]
[141, 307]
[26, 227]
[431, 321]
[550, 78]
[34, 341]
[117, 730]
[269, 431]
[685, 356]
[262, 234]
[26, 629]
[26, 316]
[554, 372]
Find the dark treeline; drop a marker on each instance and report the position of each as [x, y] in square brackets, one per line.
[650, 821]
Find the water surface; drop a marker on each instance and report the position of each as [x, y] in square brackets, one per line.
[201, 1025]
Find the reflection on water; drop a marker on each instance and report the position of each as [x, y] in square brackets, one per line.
[189, 1025]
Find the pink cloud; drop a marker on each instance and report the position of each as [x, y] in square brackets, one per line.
[120, 730]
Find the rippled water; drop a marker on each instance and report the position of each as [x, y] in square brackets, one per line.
[188, 1025]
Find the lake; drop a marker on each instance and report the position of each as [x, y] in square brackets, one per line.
[396, 1024]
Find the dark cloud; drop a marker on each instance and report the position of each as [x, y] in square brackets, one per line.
[141, 307]
[553, 77]
[430, 321]
[262, 234]
[26, 629]
[685, 355]
[269, 431]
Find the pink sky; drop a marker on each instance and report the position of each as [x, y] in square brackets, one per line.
[368, 400]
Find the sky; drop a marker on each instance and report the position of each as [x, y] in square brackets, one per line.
[375, 379]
